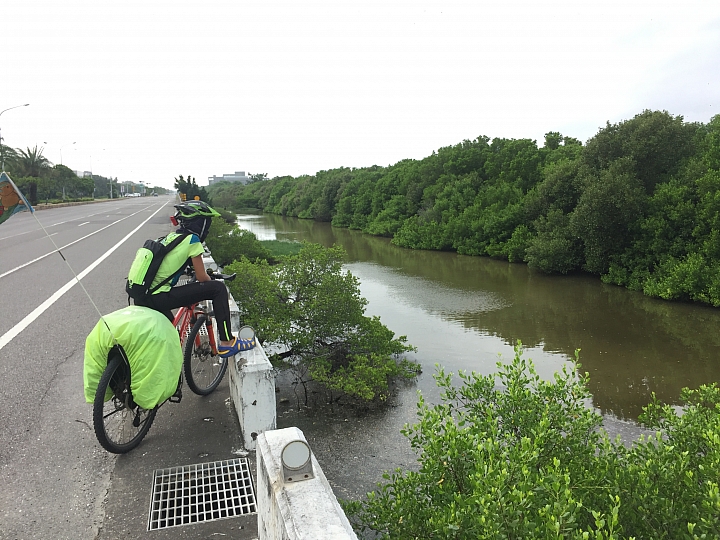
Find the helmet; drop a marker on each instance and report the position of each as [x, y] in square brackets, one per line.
[193, 209]
[195, 217]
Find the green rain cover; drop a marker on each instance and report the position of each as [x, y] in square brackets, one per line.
[152, 345]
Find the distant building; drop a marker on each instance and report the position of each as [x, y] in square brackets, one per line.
[237, 176]
[130, 187]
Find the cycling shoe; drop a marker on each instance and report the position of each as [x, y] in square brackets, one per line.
[224, 351]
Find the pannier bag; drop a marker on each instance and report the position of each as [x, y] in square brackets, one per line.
[151, 345]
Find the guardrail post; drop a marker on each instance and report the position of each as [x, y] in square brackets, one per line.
[295, 510]
[252, 383]
[252, 389]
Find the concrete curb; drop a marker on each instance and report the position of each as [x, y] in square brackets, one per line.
[42, 206]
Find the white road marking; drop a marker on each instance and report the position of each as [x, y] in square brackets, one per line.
[14, 235]
[8, 336]
[68, 221]
[66, 245]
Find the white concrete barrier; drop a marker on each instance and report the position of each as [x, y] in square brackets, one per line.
[252, 389]
[252, 383]
[304, 510]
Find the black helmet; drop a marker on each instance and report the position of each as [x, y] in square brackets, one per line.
[195, 217]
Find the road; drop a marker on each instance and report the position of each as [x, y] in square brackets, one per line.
[57, 481]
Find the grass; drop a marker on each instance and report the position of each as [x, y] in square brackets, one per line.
[280, 248]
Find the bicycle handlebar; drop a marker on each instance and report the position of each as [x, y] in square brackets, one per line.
[190, 271]
[224, 277]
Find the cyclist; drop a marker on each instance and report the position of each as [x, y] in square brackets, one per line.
[194, 219]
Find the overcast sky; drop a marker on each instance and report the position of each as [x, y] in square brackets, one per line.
[151, 90]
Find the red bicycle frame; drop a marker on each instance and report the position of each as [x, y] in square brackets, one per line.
[184, 321]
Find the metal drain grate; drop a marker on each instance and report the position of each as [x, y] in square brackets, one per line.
[202, 492]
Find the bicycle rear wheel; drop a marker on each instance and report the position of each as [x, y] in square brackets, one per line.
[203, 370]
[120, 424]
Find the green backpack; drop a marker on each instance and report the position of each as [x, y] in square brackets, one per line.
[145, 267]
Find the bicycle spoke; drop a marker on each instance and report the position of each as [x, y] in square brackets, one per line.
[203, 369]
[119, 423]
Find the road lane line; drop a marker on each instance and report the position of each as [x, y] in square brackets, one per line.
[8, 336]
[68, 245]
[67, 221]
[17, 234]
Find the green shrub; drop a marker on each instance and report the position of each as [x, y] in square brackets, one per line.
[512, 456]
[555, 248]
[227, 215]
[312, 313]
[228, 243]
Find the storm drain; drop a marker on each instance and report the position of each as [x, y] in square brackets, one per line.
[202, 492]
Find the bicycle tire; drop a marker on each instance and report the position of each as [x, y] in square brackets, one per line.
[203, 370]
[120, 424]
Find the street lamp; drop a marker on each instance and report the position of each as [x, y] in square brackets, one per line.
[63, 146]
[2, 154]
[61, 151]
[15, 107]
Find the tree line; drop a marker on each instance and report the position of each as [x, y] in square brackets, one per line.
[42, 181]
[638, 204]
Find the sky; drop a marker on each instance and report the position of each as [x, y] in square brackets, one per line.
[146, 91]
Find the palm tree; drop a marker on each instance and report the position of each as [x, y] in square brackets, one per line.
[31, 162]
[7, 155]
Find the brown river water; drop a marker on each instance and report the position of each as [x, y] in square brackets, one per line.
[465, 313]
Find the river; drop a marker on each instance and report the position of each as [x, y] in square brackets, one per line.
[463, 313]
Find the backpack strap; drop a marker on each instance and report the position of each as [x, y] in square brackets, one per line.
[172, 245]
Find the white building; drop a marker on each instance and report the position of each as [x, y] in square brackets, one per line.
[237, 176]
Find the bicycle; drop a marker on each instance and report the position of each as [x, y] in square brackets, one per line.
[202, 366]
[120, 424]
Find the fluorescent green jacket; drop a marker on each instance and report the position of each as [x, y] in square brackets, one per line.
[152, 345]
[187, 249]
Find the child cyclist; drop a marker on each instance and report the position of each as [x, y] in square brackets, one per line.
[194, 218]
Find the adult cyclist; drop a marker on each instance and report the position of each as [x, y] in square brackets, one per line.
[194, 219]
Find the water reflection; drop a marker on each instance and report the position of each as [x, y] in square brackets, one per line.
[462, 311]
[259, 226]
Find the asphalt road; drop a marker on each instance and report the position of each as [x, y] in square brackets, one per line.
[57, 482]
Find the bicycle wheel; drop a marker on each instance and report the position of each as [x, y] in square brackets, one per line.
[203, 370]
[120, 424]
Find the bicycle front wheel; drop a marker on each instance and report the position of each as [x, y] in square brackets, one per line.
[120, 424]
[203, 370]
